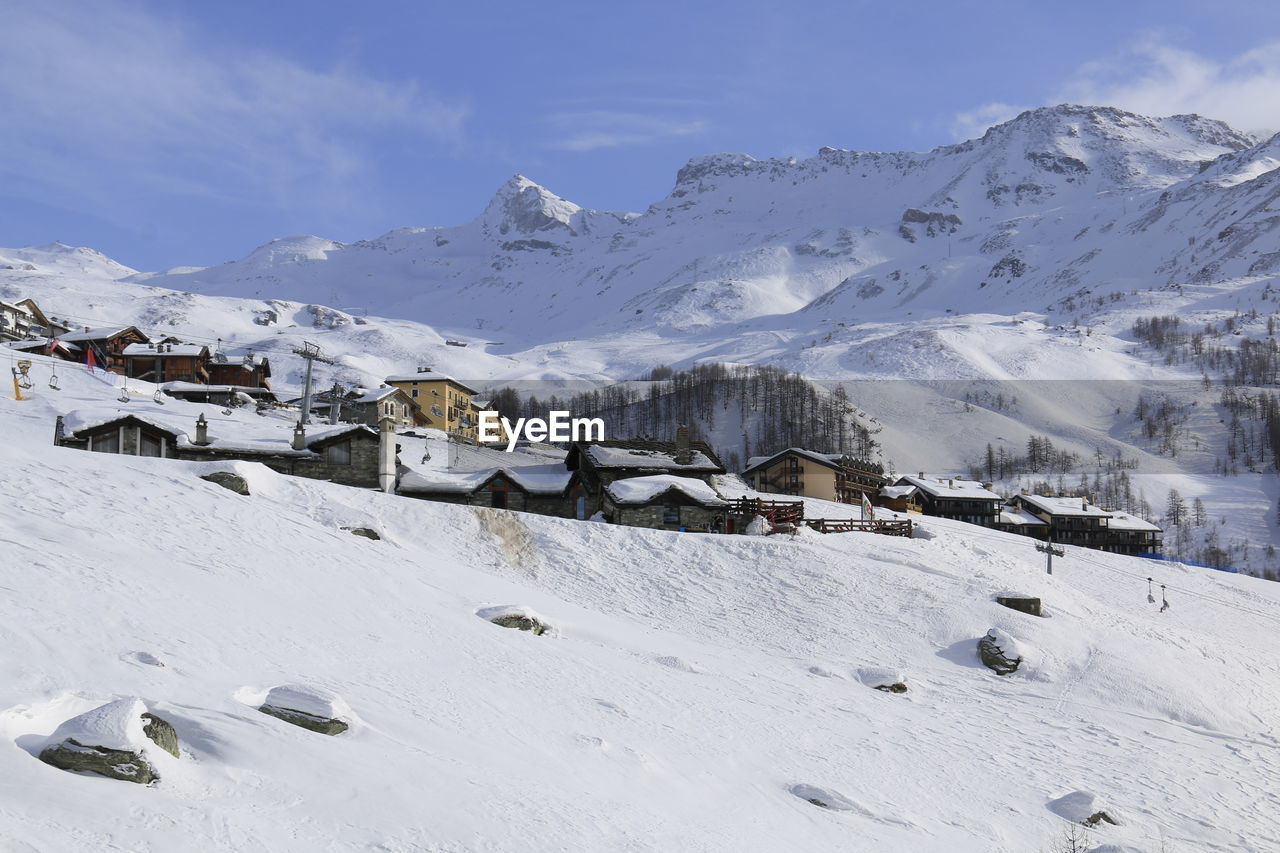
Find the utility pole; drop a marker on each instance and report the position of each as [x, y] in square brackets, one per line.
[310, 352]
[1050, 551]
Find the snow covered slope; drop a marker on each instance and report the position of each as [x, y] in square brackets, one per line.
[698, 693]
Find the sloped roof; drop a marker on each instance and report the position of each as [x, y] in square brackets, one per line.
[1017, 516]
[550, 479]
[1064, 506]
[951, 487]
[644, 454]
[642, 490]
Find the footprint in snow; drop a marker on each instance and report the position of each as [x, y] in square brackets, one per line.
[674, 662]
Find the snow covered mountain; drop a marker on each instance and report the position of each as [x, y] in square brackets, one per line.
[1056, 202]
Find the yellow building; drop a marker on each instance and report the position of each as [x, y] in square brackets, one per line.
[445, 401]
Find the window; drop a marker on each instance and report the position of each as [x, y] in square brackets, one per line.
[415, 392]
[498, 498]
[670, 514]
[149, 445]
[339, 454]
[108, 442]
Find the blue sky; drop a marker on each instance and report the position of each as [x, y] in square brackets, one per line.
[169, 133]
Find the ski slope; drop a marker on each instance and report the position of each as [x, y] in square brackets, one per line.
[697, 692]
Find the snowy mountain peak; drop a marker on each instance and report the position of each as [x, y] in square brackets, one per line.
[522, 206]
[292, 250]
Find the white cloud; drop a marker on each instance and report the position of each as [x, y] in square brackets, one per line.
[1155, 78]
[971, 124]
[590, 130]
[95, 96]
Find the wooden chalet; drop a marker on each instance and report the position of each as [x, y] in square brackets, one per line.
[826, 476]
[167, 362]
[104, 347]
[955, 498]
[904, 498]
[249, 372]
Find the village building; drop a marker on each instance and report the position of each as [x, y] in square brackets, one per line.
[665, 502]
[549, 489]
[955, 498]
[23, 319]
[1075, 521]
[1017, 519]
[365, 406]
[827, 476]
[104, 347]
[167, 362]
[904, 498]
[348, 454]
[250, 372]
[444, 401]
[602, 463]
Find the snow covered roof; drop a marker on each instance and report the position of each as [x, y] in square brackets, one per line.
[430, 376]
[225, 434]
[896, 491]
[1126, 521]
[641, 490]
[952, 487]
[98, 334]
[535, 479]
[166, 350]
[1064, 506]
[41, 343]
[365, 395]
[655, 455]
[1017, 516]
[830, 460]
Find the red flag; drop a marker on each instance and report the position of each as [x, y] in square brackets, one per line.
[89, 360]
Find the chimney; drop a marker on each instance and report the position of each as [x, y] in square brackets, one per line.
[684, 454]
[299, 437]
[387, 455]
[951, 484]
[920, 476]
[202, 430]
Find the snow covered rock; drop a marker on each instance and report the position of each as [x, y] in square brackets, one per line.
[1084, 807]
[228, 480]
[113, 741]
[881, 678]
[366, 532]
[313, 708]
[1022, 603]
[518, 617]
[999, 652]
[824, 797]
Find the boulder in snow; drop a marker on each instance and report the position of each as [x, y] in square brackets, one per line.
[515, 616]
[312, 708]
[366, 532]
[824, 797]
[1084, 807]
[999, 652]
[113, 740]
[1021, 603]
[228, 480]
[880, 678]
